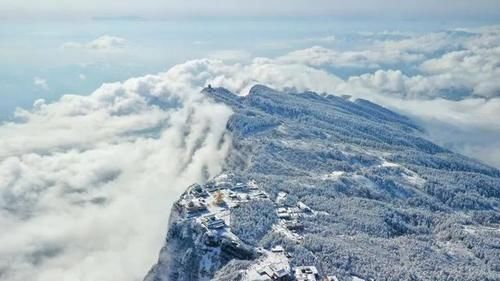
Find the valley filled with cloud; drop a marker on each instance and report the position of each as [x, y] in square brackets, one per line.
[87, 181]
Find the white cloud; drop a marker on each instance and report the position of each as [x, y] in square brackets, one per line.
[475, 69]
[320, 57]
[421, 44]
[446, 64]
[106, 42]
[86, 183]
[467, 126]
[82, 76]
[103, 43]
[41, 83]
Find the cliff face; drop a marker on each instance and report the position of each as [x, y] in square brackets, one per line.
[178, 255]
[349, 188]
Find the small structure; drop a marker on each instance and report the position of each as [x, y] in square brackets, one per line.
[332, 278]
[224, 185]
[239, 186]
[275, 272]
[272, 265]
[281, 198]
[195, 205]
[213, 222]
[288, 214]
[233, 195]
[306, 273]
[261, 194]
[210, 185]
[294, 225]
[283, 214]
[198, 191]
[278, 249]
[303, 207]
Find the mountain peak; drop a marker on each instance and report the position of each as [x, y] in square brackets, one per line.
[337, 188]
[259, 88]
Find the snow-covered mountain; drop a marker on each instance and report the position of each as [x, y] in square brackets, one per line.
[349, 189]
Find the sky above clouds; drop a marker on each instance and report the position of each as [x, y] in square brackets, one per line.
[89, 166]
[174, 8]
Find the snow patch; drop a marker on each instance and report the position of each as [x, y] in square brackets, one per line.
[335, 175]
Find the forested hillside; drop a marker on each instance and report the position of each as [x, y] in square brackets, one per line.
[376, 199]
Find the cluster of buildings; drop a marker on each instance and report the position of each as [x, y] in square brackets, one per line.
[274, 266]
[275, 272]
[306, 273]
[290, 216]
[211, 221]
[281, 272]
[210, 206]
[301, 273]
[196, 205]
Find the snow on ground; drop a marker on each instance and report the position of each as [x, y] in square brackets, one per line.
[389, 164]
[410, 177]
[414, 179]
[472, 229]
[335, 175]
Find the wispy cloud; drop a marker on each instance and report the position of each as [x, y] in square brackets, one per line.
[103, 43]
[41, 83]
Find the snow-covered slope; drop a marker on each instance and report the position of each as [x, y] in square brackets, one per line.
[350, 188]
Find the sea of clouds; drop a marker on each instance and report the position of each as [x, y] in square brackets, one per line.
[87, 182]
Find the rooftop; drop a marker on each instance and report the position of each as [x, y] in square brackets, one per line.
[306, 273]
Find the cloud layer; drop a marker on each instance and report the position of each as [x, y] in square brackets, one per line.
[86, 183]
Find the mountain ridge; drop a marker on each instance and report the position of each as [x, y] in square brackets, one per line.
[384, 203]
